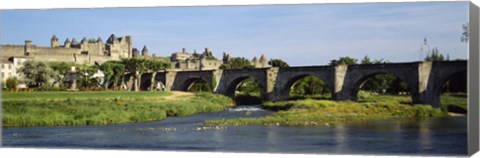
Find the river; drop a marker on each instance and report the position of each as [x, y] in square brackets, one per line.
[414, 136]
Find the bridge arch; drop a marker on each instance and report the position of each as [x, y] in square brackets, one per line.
[440, 82]
[191, 82]
[234, 84]
[360, 82]
[290, 83]
[357, 76]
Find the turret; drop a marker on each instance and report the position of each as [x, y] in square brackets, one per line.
[27, 47]
[99, 40]
[263, 61]
[54, 42]
[135, 53]
[67, 43]
[84, 40]
[111, 39]
[145, 51]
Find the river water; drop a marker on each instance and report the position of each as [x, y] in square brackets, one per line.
[417, 136]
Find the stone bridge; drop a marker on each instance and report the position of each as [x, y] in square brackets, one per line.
[424, 79]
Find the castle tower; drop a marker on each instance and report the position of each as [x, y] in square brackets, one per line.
[111, 39]
[84, 40]
[263, 61]
[54, 42]
[135, 53]
[99, 40]
[27, 47]
[67, 43]
[145, 51]
[128, 39]
[255, 62]
[226, 58]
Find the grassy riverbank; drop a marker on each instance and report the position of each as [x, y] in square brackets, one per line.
[97, 108]
[309, 112]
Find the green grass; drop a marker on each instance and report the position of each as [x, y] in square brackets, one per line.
[7, 96]
[454, 102]
[309, 112]
[97, 108]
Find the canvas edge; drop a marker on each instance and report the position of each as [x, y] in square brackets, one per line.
[473, 80]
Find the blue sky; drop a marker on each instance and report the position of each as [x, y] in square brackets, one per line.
[298, 34]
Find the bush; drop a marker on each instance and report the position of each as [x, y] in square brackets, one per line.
[11, 82]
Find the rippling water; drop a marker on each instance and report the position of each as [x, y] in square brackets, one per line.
[422, 136]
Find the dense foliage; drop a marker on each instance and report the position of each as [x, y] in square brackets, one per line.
[237, 63]
[278, 63]
[36, 73]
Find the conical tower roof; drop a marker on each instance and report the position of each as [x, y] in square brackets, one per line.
[54, 38]
[84, 40]
[99, 39]
[67, 40]
[254, 59]
[263, 58]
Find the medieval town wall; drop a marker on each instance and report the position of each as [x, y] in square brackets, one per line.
[11, 50]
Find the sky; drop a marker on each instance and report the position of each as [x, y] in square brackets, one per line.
[301, 35]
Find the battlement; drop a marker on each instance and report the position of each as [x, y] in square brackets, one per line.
[114, 49]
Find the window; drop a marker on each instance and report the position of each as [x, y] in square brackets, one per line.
[3, 66]
[3, 75]
[9, 66]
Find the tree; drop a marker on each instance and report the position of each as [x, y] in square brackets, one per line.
[11, 82]
[61, 68]
[434, 56]
[86, 73]
[344, 61]
[366, 60]
[154, 66]
[118, 71]
[136, 67]
[278, 63]
[309, 85]
[107, 69]
[36, 73]
[464, 37]
[237, 63]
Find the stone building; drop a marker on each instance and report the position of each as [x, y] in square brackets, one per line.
[10, 66]
[87, 51]
[184, 61]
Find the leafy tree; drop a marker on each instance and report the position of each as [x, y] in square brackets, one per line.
[36, 73]
[237, 63]
[249, 87]
[136, 67]
[344, 61]
[107, 69]
[434, 56]
[309, 85]
[464, 37]
[86, 79]
[278, 63]
[366, 60]
[118, 71]
[154, 66]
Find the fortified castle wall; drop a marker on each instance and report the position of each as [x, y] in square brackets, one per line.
[84, 52]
